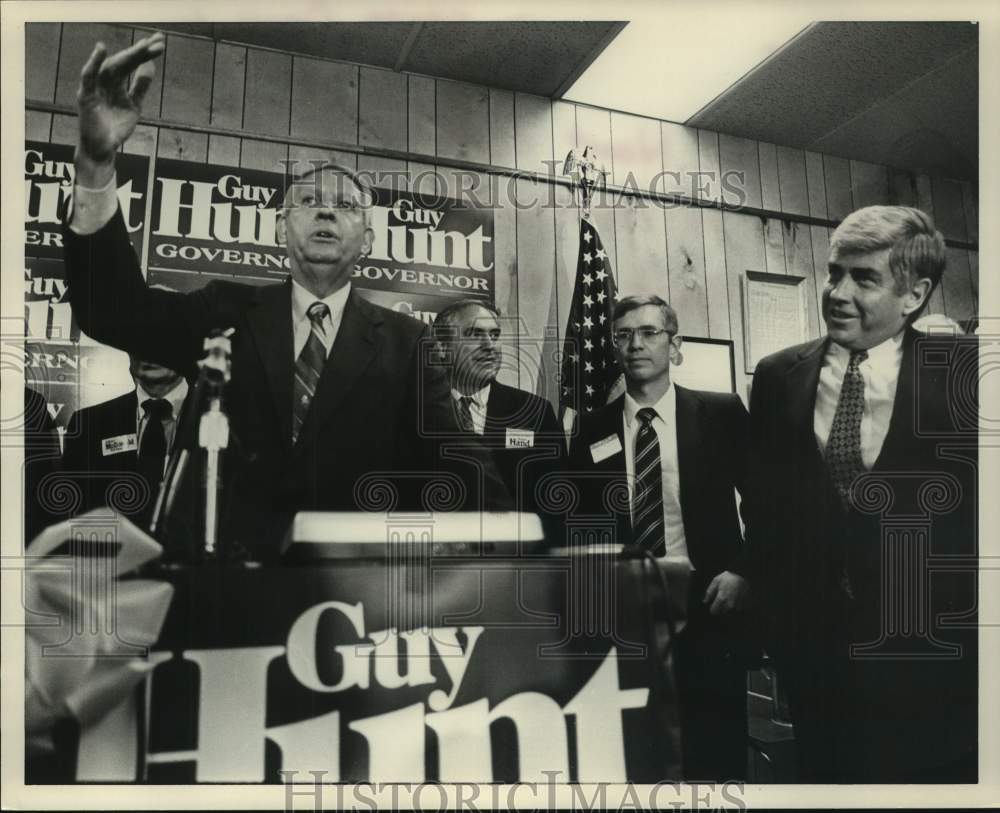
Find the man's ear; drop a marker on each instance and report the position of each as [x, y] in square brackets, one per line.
[441, 353]
[675, 349]
[915, 296]
[367, 242]
[279, 228]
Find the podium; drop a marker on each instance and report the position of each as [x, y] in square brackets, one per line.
[449, 667]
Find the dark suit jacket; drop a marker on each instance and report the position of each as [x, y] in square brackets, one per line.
[713, 652]
[115, 480]
[711, 452]
[805, 542]
[41, 464]
[106, 480]
[380, 412]
[524, 469]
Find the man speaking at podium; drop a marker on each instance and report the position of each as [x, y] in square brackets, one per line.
[326, 388]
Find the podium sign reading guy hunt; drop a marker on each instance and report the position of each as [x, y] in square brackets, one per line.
[214, 221]
[334, 669]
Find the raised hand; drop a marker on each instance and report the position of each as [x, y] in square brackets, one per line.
[110, 104]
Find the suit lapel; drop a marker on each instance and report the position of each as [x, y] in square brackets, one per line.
[354, 349]
[800, 392]
[271, 327]
[900, 435]
[608, 423]
[126, 419]
[689, 457]
[497, 408]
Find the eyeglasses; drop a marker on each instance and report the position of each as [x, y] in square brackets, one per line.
[647, 334]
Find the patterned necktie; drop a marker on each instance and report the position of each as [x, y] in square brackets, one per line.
[647, 503]
[465, 414]
[309, 367]
[153, 448]
[843, 447]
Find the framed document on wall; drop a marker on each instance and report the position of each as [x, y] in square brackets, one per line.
[774, 314]
[707, 365]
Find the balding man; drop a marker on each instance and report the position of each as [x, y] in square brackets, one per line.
[519, 428]
[327, 389]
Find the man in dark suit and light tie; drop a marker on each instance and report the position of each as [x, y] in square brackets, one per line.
[519, 428]
[329, 393]
[681, 454]
[132, 434]
[863, 466]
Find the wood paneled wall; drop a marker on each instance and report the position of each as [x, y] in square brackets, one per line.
[693, 255]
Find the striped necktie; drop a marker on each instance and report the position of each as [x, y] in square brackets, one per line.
[843, 447]
[465, 414]
[153, 451]
[647, 502]
[309, 367]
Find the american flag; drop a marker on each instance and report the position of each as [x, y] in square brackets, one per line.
[589, 368]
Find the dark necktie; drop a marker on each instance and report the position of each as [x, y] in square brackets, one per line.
[309, 367]
[153, 448]
[843, 447]
[465, 414]
[647, 502]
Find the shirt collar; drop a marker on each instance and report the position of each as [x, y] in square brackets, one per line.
[665, 408]
[176, 397]
[479, 398]
[884, 358]
[302, 299]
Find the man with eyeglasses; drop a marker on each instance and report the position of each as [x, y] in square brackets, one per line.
[328, 391]
[681, 454]
[519, 428]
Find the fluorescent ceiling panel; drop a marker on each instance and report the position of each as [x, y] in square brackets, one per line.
[670, 63]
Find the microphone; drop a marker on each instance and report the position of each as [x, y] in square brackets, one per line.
[214, 371]
[216, 366]
[213, 429]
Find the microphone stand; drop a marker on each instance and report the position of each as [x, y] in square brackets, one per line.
[214, 372]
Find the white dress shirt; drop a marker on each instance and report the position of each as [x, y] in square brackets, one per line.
[477, 407]
[665, 426]
[302, 300]
[176, 398]
[93, 208]
[880, 372]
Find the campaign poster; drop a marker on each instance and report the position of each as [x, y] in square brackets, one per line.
[215, 222]
[49, 174]
[65, 366]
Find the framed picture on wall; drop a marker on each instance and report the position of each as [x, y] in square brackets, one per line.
[707, 364]
[774, 314]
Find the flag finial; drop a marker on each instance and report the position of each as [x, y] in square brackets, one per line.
[587, 170]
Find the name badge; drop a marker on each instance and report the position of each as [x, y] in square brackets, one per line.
[520, 439]
[119, 444]
[604, 449]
